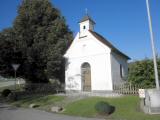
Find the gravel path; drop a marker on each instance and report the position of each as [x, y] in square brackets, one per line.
[12, 113]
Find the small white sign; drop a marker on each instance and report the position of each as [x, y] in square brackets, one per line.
[141, 93]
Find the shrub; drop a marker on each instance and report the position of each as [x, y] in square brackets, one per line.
[5, 92]
[141, 73]
[12, 97]
[104, 108]
[41, 88]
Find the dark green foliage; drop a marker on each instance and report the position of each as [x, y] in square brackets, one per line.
[104, 108]
[141, 73]
[5, 92]
[39, 40]
[8, 52]
[42, 88]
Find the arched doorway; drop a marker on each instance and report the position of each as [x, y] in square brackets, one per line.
[86, 76]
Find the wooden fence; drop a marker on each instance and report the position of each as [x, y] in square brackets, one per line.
[126, 89]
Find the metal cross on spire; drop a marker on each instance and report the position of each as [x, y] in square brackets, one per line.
[86, 10]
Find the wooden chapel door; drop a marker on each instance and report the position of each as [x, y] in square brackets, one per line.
[86, 76]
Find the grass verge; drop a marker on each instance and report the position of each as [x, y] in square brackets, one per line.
[126, 108]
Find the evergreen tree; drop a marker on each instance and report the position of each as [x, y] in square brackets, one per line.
[9, 52]
[42, 37]
[6, 52]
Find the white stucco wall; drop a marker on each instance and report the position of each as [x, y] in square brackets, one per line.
[90, 50]
[116, 61]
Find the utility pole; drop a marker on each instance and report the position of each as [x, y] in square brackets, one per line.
[153, 46]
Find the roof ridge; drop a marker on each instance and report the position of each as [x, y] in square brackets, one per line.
[85, 18]
[106, 42]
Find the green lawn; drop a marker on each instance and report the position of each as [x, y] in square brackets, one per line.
[127, 108]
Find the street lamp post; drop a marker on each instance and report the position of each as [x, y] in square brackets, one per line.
[15, 67]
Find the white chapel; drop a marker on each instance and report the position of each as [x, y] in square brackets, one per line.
[93, 63]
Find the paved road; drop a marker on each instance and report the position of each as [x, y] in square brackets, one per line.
[13, 113]
[8, 83]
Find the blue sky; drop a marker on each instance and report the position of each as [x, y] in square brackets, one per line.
[123, 22]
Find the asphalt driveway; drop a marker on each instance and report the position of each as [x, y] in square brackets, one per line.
[12, 113]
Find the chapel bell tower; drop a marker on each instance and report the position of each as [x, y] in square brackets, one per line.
[86, 24]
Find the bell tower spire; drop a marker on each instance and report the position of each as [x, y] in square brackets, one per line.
[86, 23]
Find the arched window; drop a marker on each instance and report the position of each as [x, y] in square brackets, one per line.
[84, 27]
[121, 71]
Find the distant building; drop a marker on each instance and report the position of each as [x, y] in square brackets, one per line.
[93, 63]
